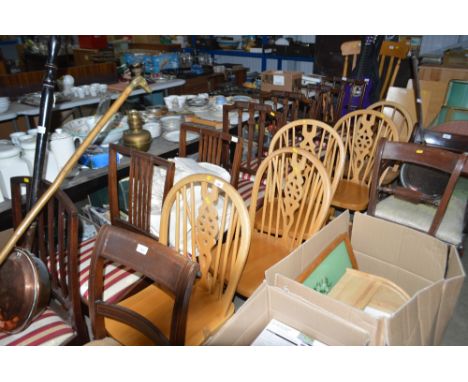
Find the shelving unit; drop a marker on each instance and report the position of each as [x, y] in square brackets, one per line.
[263, 56]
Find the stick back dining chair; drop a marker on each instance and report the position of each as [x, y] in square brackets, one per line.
[55, 242]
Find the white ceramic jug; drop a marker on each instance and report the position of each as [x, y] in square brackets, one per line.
[11, 164]
[62, 147]
[51, 168]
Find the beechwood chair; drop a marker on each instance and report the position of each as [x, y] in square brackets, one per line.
[296, 202]
[203, 218]
[360, 131]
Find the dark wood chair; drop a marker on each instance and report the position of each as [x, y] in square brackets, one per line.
[442, 215]
[140, 187]
[291, 105]
[172, 273]
[256, 124]
[55, 242]
[214, 147]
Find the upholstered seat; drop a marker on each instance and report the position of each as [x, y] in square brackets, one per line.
[47, 329]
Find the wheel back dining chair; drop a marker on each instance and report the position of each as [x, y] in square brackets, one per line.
[317, 137]
[172, 273]
[55, 242]
[205, 219]
[296, 202]
[403, 122]
[399, 115]
[255, 123]
[350, 49]
[440, 215]
[390, 56]
[360, 131]
[214, 147]
[141, 189]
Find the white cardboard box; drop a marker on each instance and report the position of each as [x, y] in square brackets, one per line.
[426, 268]
[269, 302]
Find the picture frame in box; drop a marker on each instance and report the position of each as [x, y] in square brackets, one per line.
[329, 266]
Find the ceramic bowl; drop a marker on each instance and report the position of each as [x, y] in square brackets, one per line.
[171, 122]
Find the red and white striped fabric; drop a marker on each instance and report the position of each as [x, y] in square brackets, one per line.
[48, 329]
[118, 279]
[254, 163]
[245, 190]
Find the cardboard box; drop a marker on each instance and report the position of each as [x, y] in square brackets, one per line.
[429, 270]
[281, 80]
[269, 302]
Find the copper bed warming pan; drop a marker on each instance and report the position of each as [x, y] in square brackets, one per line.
[24, 278]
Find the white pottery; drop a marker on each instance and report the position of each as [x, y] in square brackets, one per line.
[11, 164]
[62, 146]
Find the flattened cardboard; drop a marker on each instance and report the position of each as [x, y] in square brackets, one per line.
[413, 260]
[269, 302]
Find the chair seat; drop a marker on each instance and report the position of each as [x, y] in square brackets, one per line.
[243, 175]
[47, 329]
[245, 188]
[350, 195]
[264, 252]
[118, 280]
[420, 216]
[156, 305]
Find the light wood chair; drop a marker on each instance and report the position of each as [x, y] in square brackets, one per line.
[350, 49]
[205, 218]
[317, 137]
[214, 147]
[360, 131]
[140, 187]
[172, 273]
[442, 216]
[297, 185]
[390, 56]
[399, 115]
[404, 123]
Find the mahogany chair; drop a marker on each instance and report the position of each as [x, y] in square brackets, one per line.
[214, 147]
[173, 274]
[56, 243]
[360, 131]
[296, 203]
[350, 49]
[441, 216]
[140, 187]
[390, 56]
[255, 123]
[205, 219]
[290, 105]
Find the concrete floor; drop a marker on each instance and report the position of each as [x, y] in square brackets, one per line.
[457, 330]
